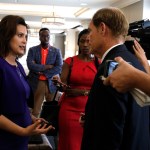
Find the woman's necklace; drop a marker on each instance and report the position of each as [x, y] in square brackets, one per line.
[86, 58]
[18, 71]
[11, 61]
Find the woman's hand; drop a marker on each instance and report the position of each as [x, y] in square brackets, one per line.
[34, 119]
[36, 128]
[140, 54]
[56, 78]
[60, 85]
[82, 119]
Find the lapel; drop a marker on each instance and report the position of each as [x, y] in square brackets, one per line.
[48, 55]
[38, 53]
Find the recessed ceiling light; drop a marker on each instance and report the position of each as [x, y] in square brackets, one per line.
[81, 11]
[83, 4]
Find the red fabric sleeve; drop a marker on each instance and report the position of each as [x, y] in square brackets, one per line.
[68, 60]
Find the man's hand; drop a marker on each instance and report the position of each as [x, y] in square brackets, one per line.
[47, 67]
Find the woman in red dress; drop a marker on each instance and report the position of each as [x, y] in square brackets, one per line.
[78, 72]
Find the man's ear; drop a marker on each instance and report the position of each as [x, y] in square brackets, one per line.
[102, 28]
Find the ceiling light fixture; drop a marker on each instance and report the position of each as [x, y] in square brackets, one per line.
[53, 19]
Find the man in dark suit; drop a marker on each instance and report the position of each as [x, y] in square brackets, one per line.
[44, 61]
[113, 121]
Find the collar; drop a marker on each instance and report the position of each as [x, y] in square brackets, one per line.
[104, 55]
[46, 48]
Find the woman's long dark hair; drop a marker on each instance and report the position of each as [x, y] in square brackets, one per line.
[8, 27]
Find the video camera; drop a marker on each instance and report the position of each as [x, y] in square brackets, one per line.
[141, 29]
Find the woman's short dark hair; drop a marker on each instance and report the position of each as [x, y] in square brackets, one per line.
[8, 27]
[85, 31]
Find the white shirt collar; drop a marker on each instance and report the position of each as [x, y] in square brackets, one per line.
[104, 55]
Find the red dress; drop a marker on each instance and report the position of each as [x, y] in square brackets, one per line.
[70, 131]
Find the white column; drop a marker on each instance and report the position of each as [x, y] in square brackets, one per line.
[70, 43]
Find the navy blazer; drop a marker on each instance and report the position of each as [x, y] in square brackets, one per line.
[54, 57]
[114, 121]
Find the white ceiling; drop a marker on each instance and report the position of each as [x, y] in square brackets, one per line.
[34, 10]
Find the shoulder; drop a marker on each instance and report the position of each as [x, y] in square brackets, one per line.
[1, 60]
[35, 47]
[2, 63]
[70, 59]
[54, 49]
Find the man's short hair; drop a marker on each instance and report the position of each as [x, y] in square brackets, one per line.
[43, 29]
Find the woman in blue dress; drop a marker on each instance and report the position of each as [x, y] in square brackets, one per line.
[16, 122]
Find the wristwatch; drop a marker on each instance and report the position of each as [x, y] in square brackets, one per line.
[86, 93]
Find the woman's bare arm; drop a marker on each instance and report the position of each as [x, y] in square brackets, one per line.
[140, 54]
[35, 128]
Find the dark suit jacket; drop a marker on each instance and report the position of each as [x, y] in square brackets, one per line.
[54, 57]
[114, 121]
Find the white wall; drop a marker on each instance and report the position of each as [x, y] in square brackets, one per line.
[32, 41]
[146, 11]
[70, 43]
[59, 43]
[137, 11]
[134, 12]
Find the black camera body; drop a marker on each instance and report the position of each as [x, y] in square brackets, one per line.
[141, 30]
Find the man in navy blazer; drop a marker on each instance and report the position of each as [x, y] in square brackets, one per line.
[113, 120]
[44, 61]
